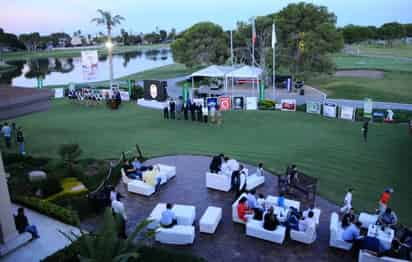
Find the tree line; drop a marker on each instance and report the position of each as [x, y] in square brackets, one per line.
[389, 32]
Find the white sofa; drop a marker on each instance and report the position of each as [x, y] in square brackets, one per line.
[306, 237]
[253, 181]
[254, 228]
[365, 256]
[273, 201]
[367, 219]
[185, 214]
[210, 220]
[316, 214]
[220, 182]
[176, 235]
[336, 232]
[235, 217]
[142, 188]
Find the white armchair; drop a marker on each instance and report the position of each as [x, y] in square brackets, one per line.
[306, 237]
[336, 232]
[218, 182]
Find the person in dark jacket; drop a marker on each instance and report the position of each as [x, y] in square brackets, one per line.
[166, 112]
[270, 221]
[216, 163]
[192, 111]
[185, 111]
[199, 113]
[20, 141]
[365, 129]
[22, 224]
[172, 105]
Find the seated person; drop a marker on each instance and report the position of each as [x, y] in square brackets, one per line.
[22, 224]
[152, 177]
[261, 202]
[136, 164]
[216, 163]
[243, 212]
[307, 222]
[352, 232]
[397, 250]
[348, 218]
[270, 220]
[232, 164]
[259, 170]
[130, 171]
[387, 218]
[281, 200]
[224, 167]
[292, 219]
[168, 218]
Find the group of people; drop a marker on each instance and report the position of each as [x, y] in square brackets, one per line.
[224, 165]
[8, 132]
[252, 207]
[148, 174]
[195, 112]
[387, 218]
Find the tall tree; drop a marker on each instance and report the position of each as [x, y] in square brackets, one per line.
[109, 21]
[31, 41]
[392, 31]
[202, 44]
[163, 35]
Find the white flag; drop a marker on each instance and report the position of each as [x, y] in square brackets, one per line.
[273, 36]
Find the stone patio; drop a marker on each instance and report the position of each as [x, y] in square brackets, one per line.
[229, 243]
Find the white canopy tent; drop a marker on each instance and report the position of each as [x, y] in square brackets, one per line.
[213, 71]
[245, 72]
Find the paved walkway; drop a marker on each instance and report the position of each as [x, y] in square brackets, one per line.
[50, 241]
[229, 243]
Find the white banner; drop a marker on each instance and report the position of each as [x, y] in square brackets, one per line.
[58, 93]
[329, 110]
[89, 64]
[347, 112]
[288, 104]
[124, 95]
[313, 107]
[199, 101]
[251, 103]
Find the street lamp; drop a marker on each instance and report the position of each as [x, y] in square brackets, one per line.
[109, 45]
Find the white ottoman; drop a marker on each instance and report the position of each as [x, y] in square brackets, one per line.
[218, 182]
[210, 220]
[176, 235]
[37, 176]
[140, 187]
[367, 219]
[254, 181]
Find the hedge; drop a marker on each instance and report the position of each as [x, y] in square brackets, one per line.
[49, 209]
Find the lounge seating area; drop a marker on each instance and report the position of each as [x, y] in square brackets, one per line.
[336, 232]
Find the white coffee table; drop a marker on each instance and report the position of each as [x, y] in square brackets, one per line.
[385, 236]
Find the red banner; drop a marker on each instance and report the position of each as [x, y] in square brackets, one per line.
[224, 103]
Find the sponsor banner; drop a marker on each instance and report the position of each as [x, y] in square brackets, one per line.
[58, 93]
[89, 64]
[238, 103]
[313, 107]
[367, 108]
[224, 103]
[278, 106]
[288, 104]
[211, 102]
[329, 110]
[347, 112]
[251, 103]
[124, 95]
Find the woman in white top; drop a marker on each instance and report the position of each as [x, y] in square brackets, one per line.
[259, 171]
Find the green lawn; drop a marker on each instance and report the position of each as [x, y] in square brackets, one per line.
[331, 150]
[21, 55]
[358, 62]
[398, 51]
[395, 87]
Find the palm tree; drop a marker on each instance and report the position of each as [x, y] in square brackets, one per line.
[110, 21]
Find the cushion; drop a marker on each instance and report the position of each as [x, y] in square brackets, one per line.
[140, 187]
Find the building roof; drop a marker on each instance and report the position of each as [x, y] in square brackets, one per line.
[214, 71]
[246, 72]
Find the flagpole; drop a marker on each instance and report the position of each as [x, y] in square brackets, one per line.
[231, 46]
[253, 40]
[274, 60]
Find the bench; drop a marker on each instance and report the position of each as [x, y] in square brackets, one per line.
[273, 201]
[210, 220]
[366, 256]
[254, 228]
[254, 181]
[185, 214]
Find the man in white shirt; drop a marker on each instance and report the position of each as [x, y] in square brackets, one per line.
[347, 202]
[308, 222]
[233, 165]
[118, 209]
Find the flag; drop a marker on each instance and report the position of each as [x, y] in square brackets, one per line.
[253, 32]
[274, 41]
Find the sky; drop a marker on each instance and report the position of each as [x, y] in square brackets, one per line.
[47, 16]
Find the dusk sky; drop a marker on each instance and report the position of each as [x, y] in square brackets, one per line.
[46, 16]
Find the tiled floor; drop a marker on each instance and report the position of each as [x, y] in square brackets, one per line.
[229, 243]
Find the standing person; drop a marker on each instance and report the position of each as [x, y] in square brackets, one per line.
[119, 210]
[199, 113]
[172, 106]
[365, 129]
[166, 112]
[22, 224]
[6, 130]
[348, 218]
[384, 200]
[185, 111]
[179, 108]
[347, 202]
[20, 141]
[192, 111]
[205, 112]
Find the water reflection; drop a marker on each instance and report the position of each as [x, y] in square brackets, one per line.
[56, 71]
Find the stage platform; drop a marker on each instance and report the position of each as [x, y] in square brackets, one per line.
[152, 104]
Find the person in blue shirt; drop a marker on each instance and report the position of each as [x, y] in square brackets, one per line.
[352, 232]
[168, 218]
[136, 164]
[6, 131]
[281, 200]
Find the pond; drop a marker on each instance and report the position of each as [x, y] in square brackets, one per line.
[62, 71]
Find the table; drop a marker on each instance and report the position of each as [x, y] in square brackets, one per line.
[385, 236]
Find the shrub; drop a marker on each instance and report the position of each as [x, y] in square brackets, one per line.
[69, 154]
[76, 203]
[267, 104]
[50, 186]
[49, 209]
[136, 92]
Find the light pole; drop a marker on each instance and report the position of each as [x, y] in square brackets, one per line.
[109, 46]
